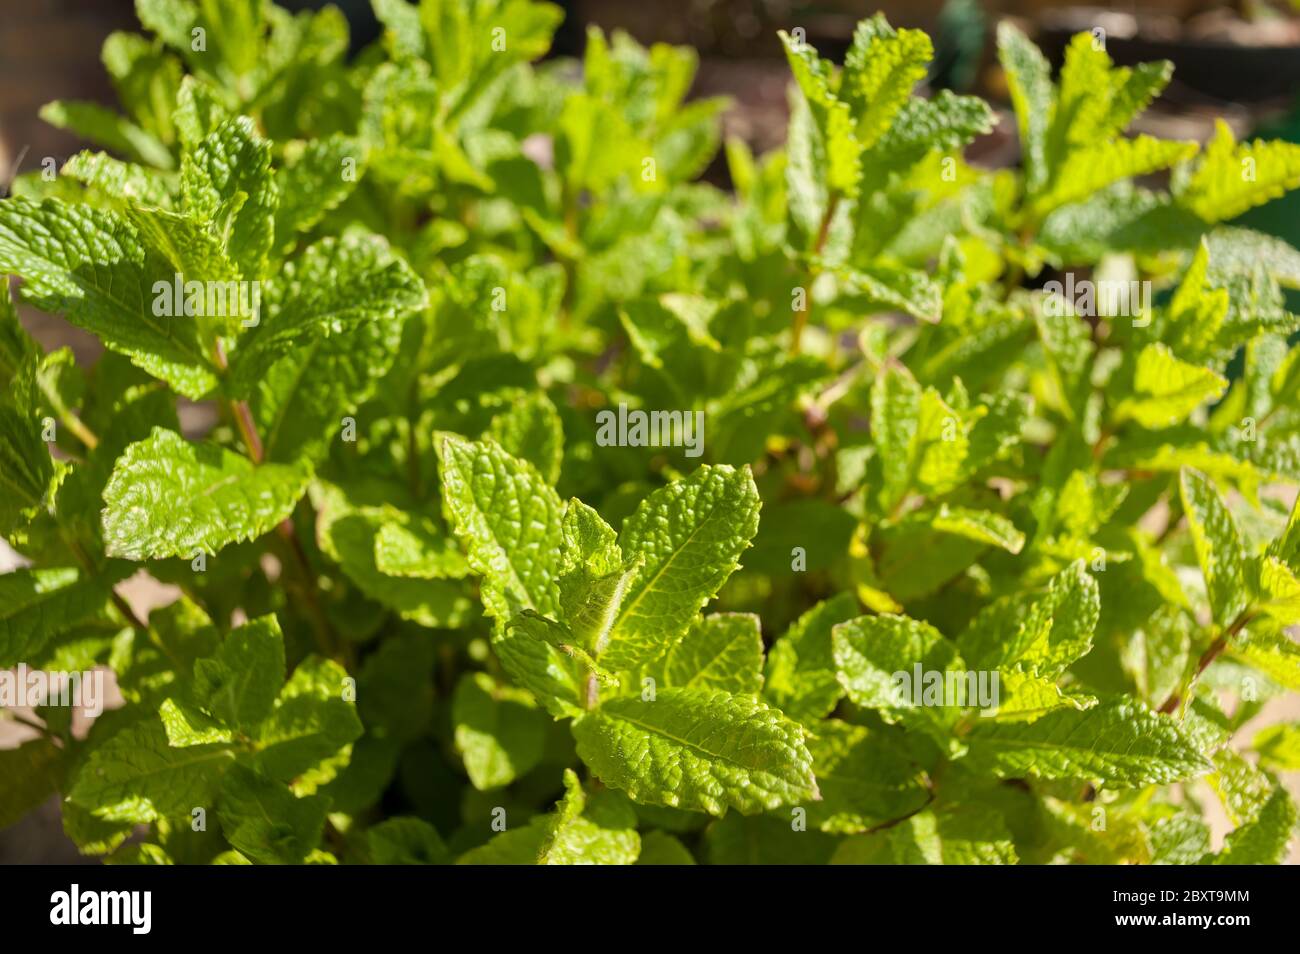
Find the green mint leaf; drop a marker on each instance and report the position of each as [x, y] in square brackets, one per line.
[38, 605]
[1123, 744]
[91, 266]
[1167, 390]
[529, 649]
[33, 772]
[690, 534]
[1273, 653]
[240, 683]
[370, 539]
[864, 780]
[1263, 841]
[530, 430]
[1219, 548]
[170, 498]
[658, 848]
[881, 68]
[1218, 190]
[321, 174]
[701, 750]
[869, 651]
[229, 162]
[507, 518]
[265, 822]
[334, 286]
[1041, 634]
[136, 777]
[599, 829]
[405, 841]
[94, 122]
[1029, 80]
[800, 677]
[1279, 746]
[186, 725]
[722, 651]
[499, 733]
[122, 180]
[309, 727]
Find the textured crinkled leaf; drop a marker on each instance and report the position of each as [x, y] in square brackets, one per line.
[135, 776]
[1273, 653]
[198, 109]
[879, 659]
[864, 780]
[264, 820]
[187, 725]
[304, 400]
[1029, 80]
[508, 520]
[1233, 177]
[528, 647]
[1002, 632]
[821, 151]
[701, 750]
[800, 677]
[334, 285]
[27, 471]
[1167, 390]
[170, 498]
[690, 534]
[1179, 840]
[90, 266]
[1279, 591]
[1263, 841]
[1073, 603]
[905, 289]
[1218, 544]
[38, 605]
[593, 579]
[881, 68]
[595, 830]
[1090, 170]
[530, 430]
[1239, 251]
[122, 180]
[231, 160]
[499, 733]
[240, 683]
[309, 726]
[1026, 696]
[355, 535]
[197, 253]
[322, 174]
[981, 525]
[722, 651]
[1122, 743]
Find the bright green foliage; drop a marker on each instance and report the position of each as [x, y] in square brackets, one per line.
[900, 552]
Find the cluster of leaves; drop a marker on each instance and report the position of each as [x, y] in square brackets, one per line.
[423, 616]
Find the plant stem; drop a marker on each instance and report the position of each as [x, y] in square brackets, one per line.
[88, 565]
[243, 417]
[823, 233]
[79, 429]
[1210, 654]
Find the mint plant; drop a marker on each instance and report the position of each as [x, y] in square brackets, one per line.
[558, 507]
